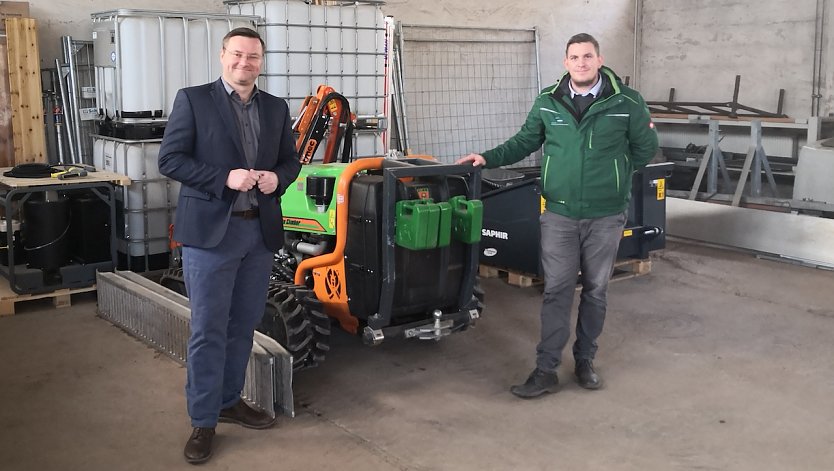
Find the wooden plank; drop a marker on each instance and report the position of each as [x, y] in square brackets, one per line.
[25, 90]
[486, 271]
[632, 264]
[14, 9]
[97, 176]
[6, 138]
[629, 268]
[522, 280]
[517, 279]
[60, 298]
[7, 10]
[623, 270]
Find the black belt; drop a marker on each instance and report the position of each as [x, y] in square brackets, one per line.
[251, 213]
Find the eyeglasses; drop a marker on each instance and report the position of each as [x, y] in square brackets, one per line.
[240, 55]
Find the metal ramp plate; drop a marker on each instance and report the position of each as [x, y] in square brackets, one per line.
[161, 318]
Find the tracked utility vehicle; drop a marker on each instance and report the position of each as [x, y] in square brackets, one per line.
[387, 248]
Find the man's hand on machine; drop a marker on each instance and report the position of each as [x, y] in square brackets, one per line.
[475, 159]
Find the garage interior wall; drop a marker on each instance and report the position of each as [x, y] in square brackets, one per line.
[828, 60]
[612, 22]
[696, 47]
[699, 47]
[58, 18]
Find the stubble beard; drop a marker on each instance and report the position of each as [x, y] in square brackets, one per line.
[244, 79]
[584, 84]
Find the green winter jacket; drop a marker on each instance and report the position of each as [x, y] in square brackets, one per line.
[586, 164]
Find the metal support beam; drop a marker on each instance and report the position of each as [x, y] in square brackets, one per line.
[713, 159]
[756, 158]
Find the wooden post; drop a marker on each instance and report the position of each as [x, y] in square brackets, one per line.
[7, 10]
[6, 139]
[25, 90]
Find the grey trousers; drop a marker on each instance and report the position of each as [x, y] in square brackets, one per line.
[569, 245]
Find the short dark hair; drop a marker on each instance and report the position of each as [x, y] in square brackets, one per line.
[582, 38]
[245, 32]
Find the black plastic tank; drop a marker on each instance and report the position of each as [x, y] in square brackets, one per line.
[425, 279]
[45, 231]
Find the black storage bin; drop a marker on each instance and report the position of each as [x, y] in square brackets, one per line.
[16, 243]
[45, 231]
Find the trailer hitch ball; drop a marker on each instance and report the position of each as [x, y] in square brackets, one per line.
[438, 325]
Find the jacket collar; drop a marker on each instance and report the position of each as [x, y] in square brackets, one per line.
[230, 90]
[610, 86]
[220, 95]
[221, 100]
[561, 91]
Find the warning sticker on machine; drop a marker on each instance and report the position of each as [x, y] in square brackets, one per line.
[661, 188]
[302, 224]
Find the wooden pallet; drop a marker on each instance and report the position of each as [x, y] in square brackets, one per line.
[60, 298]
[623, 270]
[629, 268]
[522, 280]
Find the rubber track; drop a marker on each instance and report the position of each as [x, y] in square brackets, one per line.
[296, 319]
[319, 323]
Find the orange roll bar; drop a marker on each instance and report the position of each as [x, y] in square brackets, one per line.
[338, 253]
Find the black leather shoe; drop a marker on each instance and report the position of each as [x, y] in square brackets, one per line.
[198, 447]
[246, 416]
[586, 376]
[538, 383]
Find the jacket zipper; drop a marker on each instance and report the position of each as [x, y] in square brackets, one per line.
[595, 105]
[617, 173]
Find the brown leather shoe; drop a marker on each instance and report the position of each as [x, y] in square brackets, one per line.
[246, 416]
[198, 447]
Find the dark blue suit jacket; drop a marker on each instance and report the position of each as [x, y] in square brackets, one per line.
[202, 144]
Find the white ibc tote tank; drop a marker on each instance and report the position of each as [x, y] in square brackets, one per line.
[308, 45]
[340, 45]
[142, 57]
[148, 203]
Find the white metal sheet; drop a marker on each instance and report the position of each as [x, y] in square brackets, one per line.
[797, 237]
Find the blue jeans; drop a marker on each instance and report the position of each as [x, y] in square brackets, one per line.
[227, 287]
[569, 245]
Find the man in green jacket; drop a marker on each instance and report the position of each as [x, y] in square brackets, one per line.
[595, 132]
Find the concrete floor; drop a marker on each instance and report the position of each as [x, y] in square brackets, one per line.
[715, 361]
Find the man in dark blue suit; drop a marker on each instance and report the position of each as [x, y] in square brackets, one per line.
[231, 147]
